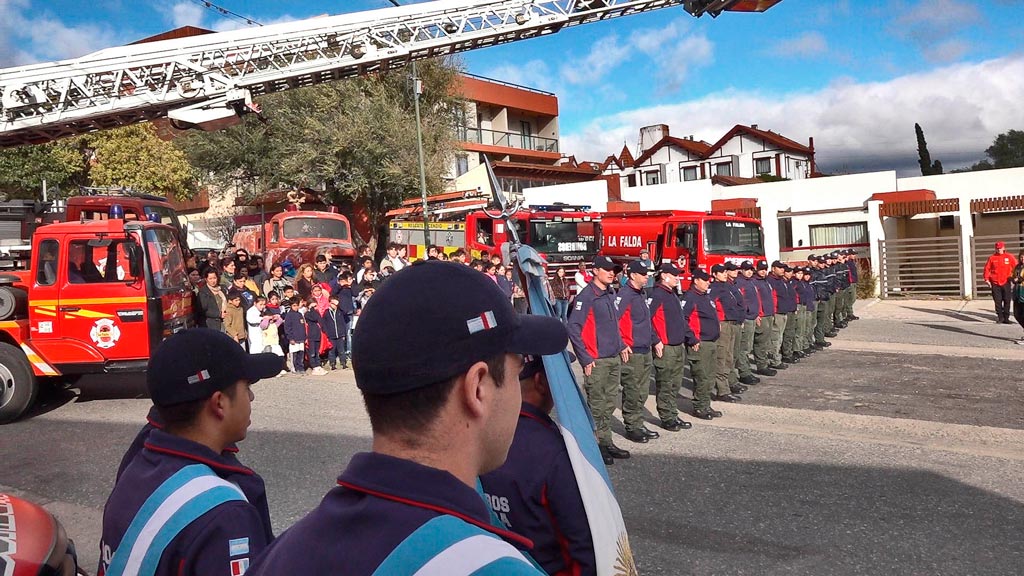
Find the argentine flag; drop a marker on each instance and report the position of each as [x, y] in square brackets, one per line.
[611, 544]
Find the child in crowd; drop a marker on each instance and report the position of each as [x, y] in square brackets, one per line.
[313, 337]
[234, 319]
[295, 332]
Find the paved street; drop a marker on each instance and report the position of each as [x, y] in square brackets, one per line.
[899, 450]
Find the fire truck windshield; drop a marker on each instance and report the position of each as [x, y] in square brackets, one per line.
[312, 227]
[730, 237]
[165, 260]
[548, 237]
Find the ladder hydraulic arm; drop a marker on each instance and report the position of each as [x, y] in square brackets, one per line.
[207, 81]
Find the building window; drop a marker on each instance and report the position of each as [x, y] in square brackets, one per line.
[723, 169]
[839, 234]
[689, 173]
[762, 165]
[785, 232]
[461, 165]
[946, 222]
[652, 178]
[527, 134]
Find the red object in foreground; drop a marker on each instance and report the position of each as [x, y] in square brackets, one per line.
[32, 541]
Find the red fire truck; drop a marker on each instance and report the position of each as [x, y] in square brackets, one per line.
[94, 204]
[702, 238]
[564, 235]
[299, 236]
[97, 298]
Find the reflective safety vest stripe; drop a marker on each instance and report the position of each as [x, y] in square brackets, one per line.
[180, 500]
[447, 546]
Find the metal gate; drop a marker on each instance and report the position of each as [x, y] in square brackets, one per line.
[984, 246]
[921, 266]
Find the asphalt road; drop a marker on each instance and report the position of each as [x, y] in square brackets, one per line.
[847, 463]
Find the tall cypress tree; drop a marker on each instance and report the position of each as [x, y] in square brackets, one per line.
[928, 168]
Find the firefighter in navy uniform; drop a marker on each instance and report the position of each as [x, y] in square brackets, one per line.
[701, 340]
[535, 493]
[635, 330]
[851, 299]
[252, 485]
[180, 487]
[594, 333]
[822, 294]
[732, 311]
[443, 413]
[766, 315]
[745, 282]
[670, 348]
[843, 284]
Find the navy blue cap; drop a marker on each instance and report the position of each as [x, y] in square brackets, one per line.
[193, 364]
[747, 265]
[718, 268]
[400, 344]
[637, 267]
[787, 268]
[730, 266]
[604, 263]
[778, 264]
[669, 268]
[699, 274]
[762, 265]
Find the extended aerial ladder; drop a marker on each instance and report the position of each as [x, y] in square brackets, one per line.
[207, 81]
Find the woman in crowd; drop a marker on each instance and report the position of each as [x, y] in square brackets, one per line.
[304, 285]
[277, 281]
[560, 292]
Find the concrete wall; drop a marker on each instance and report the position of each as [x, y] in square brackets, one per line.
[593, 194]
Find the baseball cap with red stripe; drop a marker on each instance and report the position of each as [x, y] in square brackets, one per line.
[193, 364]
[431, 321]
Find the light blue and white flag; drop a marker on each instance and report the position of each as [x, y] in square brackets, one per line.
[611, 544]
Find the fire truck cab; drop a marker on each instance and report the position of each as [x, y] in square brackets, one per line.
[299, 236]
[703, 239]
[564, 235]
[98, 297]
[94, 204]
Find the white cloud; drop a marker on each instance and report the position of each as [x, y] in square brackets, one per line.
[28, 36]
[854, 125]
[932, 24]
[808, 44]
[186, 14]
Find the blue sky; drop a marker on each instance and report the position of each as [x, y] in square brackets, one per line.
[855, 75]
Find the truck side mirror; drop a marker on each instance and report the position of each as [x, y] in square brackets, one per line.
[134, 253]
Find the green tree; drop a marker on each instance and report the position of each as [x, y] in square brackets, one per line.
[23, 169]
[928, 168]
[356, 138]
[246, 157]
[134, 157]
[1007, 150]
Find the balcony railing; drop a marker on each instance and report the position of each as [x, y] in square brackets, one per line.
[506, 139]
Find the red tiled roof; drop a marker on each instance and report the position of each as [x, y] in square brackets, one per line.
[767, 135]
[625, 157]
[182, 32]
[696, 147]
[609, 161]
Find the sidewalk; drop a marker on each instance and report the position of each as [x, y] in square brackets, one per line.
[946, 327]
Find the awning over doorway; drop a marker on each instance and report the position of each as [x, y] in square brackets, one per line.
[914, 202]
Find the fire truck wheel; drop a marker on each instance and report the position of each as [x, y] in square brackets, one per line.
[18, 386]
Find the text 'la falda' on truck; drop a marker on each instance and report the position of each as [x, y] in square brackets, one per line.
[98, 297]
[564, 235]
[702, 239]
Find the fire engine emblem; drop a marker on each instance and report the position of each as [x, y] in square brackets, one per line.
[105, 333]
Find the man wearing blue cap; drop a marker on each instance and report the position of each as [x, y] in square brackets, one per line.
[701, 340]
[181, 506]
[636, 332]
[535, 493]
[443, 412]
[670, 331]
[594, 333]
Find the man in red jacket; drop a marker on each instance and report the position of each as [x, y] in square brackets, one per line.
[998, 270]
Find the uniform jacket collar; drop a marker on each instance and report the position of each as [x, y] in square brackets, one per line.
[164, 443]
